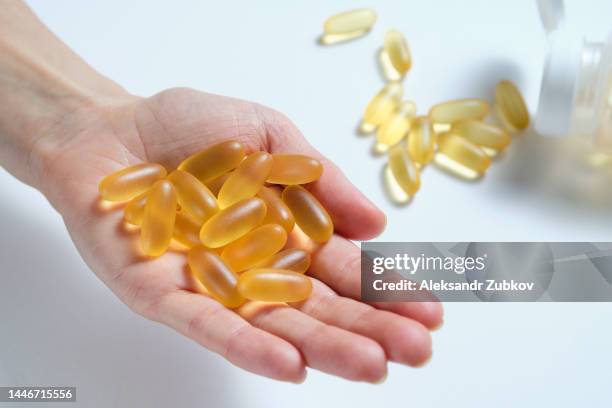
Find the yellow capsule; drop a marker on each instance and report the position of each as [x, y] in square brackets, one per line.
[421, 141]
[254, 247]
[214, 161]
[220, 281]
[381, 106]
[246, 180]
[293, 259]
[277, 212]
[348, 25]
[274, 285]
[309, 214]
[463, 152]
[134, 210]
[404, 170]
[193, 196]
[158, 219]
[186, 230]
[215, 184]
[458, 109]
[397, 49]
[232, 222]
[294, 169]
[395, 128]
[510, 106]
[126, 184]
[482, 134]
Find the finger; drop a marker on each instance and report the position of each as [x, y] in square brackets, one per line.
[404, 340]
[324, 347]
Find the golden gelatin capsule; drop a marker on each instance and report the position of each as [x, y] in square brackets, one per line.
[397, 49]
[458, 109]
[309, 214]
[193, 196]
[381, 106]
[357, 22]
[215, 184]
[246, 180]
[293, 259]
[277, 212]
[294, 169]
[186, 230]
[232, 222]
[134, 210]
[274, 285]
[214, 161]
[510, 106]
[463, 152]
[127, 183]
[404, 170]
[254, 247]
[220, 281]
[482, 134]
[158, 219]
[421, 141]
[395, 128]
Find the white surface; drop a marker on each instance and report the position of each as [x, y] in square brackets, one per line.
[61, 326]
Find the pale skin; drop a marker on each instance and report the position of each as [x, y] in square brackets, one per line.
[63, 127]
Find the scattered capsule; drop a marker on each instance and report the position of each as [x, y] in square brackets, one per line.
[232, 222]
[293, 259]
[348, 25]
[158, 219]
[254, 247]
[193, 196]
[134, 210]
[215, 184]
[127, 183]
[277, 212]
[214, 274]
[404, 170]
[246, 180]
[381, 106]
[482, 134]
[186, 230]
[452, 111]
[397, 49]
[274, 285]
[395, 128]
[421, 141]
[294, 169]
[214, 161]
[308, 212]
[463, 152]
[510, 106]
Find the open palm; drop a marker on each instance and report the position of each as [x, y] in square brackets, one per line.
[332, 331]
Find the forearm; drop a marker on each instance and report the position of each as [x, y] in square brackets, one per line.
[41, 81]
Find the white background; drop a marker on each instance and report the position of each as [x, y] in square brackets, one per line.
[61, 326]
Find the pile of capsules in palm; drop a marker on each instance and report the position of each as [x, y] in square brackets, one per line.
[226, 207]
[459, 136]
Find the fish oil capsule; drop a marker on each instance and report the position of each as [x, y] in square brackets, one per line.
[395, 128]
[293, 259]
[215, 184]
[134, 210]
[254, 247]
[458, 109]
[274, 285]
[193, 196]
[186, 230]
[309, 214]
[381, 106]
[214, 274]
[397, 49]
[277, 212]
[158, 219]
[404, 170]
[232, 222]
[463, 152]
[246, 180]
[294, 169]
[421, 141]
[348, 25]
[127, 183]
[482, 134]
[510, 106]
[214, 161]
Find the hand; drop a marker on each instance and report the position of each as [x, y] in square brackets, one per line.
[332, 331]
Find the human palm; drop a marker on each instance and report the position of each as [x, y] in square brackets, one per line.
[331, 331]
